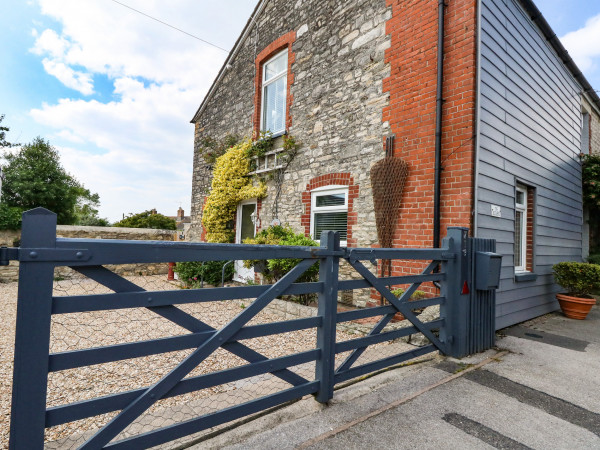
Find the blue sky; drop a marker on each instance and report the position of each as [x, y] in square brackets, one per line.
[114, 91]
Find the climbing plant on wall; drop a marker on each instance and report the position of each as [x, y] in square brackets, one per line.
[591, 180]
[590, 172]
[230, 185]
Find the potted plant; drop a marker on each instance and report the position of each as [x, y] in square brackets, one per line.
[579, 280]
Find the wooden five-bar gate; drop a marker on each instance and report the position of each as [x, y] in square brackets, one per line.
[465, 275]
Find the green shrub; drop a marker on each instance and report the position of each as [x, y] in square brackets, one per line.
[191, 273]
[275, 269]
[579, 279]
[594, 258]
[147, 219]
[10, 217]
[417, 295]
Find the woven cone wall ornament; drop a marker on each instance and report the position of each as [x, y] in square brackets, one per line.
[388, 177]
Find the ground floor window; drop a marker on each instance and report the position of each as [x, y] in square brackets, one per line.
[329, 207]
[524, 221]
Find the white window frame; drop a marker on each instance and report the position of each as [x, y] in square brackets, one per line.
[264, 86]
[522, 207]
[314, 209]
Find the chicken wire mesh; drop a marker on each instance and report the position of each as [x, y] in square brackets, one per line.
[101, 328]
[77, 331]
[359, 328]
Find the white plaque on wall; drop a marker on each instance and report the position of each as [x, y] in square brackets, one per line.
[496, 211]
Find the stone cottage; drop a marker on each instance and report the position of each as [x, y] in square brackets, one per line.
[477, 97]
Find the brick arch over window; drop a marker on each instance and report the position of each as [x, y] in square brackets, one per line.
[332, 179]
[271, 50]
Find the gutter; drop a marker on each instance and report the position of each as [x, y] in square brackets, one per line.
[537, 17]
[438, 126]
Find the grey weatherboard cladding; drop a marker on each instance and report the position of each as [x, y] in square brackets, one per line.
[530, 129]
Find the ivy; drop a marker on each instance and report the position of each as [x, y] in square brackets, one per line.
[230, 185]
[262, 145]
[211, 148]
[590, 171]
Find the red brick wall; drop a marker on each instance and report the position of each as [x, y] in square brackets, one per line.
[270, 50]
[411, 113]
[331, 179]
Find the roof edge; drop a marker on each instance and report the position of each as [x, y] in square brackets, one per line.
[538, 18]
[242, 37]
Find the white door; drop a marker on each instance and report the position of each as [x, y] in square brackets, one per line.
[245, 228]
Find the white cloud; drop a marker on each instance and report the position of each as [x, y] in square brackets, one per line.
[82, 82]
[145, 143]
[583, 45]
[50, 43]
[136, 147]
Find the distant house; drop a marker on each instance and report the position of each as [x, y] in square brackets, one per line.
[183, 224]
[351, 79]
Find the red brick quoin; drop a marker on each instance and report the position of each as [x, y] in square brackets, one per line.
[412, 57]
[270, 50]
[413, 29]
[331, 179]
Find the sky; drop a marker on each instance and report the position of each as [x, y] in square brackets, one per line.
[114, 91]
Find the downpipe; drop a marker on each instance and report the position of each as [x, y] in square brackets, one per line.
[438, 126]
[438, 133]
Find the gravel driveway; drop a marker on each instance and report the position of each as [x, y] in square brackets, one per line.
[84, 330]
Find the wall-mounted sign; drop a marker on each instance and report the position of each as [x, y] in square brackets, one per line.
[496, 211]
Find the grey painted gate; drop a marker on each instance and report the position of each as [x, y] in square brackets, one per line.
[457, 332]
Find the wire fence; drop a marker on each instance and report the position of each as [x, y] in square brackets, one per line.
[87, 330]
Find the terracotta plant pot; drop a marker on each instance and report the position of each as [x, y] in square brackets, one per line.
[575, 307]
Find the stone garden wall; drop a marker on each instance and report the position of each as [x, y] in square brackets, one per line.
[9, 238]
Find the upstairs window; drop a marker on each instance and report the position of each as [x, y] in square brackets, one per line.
[330, 212]
[274, 93]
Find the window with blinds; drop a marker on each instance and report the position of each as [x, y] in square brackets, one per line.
[330, 212]
[274, 93]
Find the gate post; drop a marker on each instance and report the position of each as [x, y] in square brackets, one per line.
[456, 288]
[32, 338]
[327, 310]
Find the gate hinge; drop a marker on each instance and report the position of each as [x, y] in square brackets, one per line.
[53, 255]
[8, 254]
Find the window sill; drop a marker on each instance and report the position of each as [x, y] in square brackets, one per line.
[525, 276]
[276, 135]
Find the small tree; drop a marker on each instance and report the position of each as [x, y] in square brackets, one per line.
[148, 219]
[86, 209]
[33, 177]
[3, 131]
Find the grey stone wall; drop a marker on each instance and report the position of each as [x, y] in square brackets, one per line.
[337, 101]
